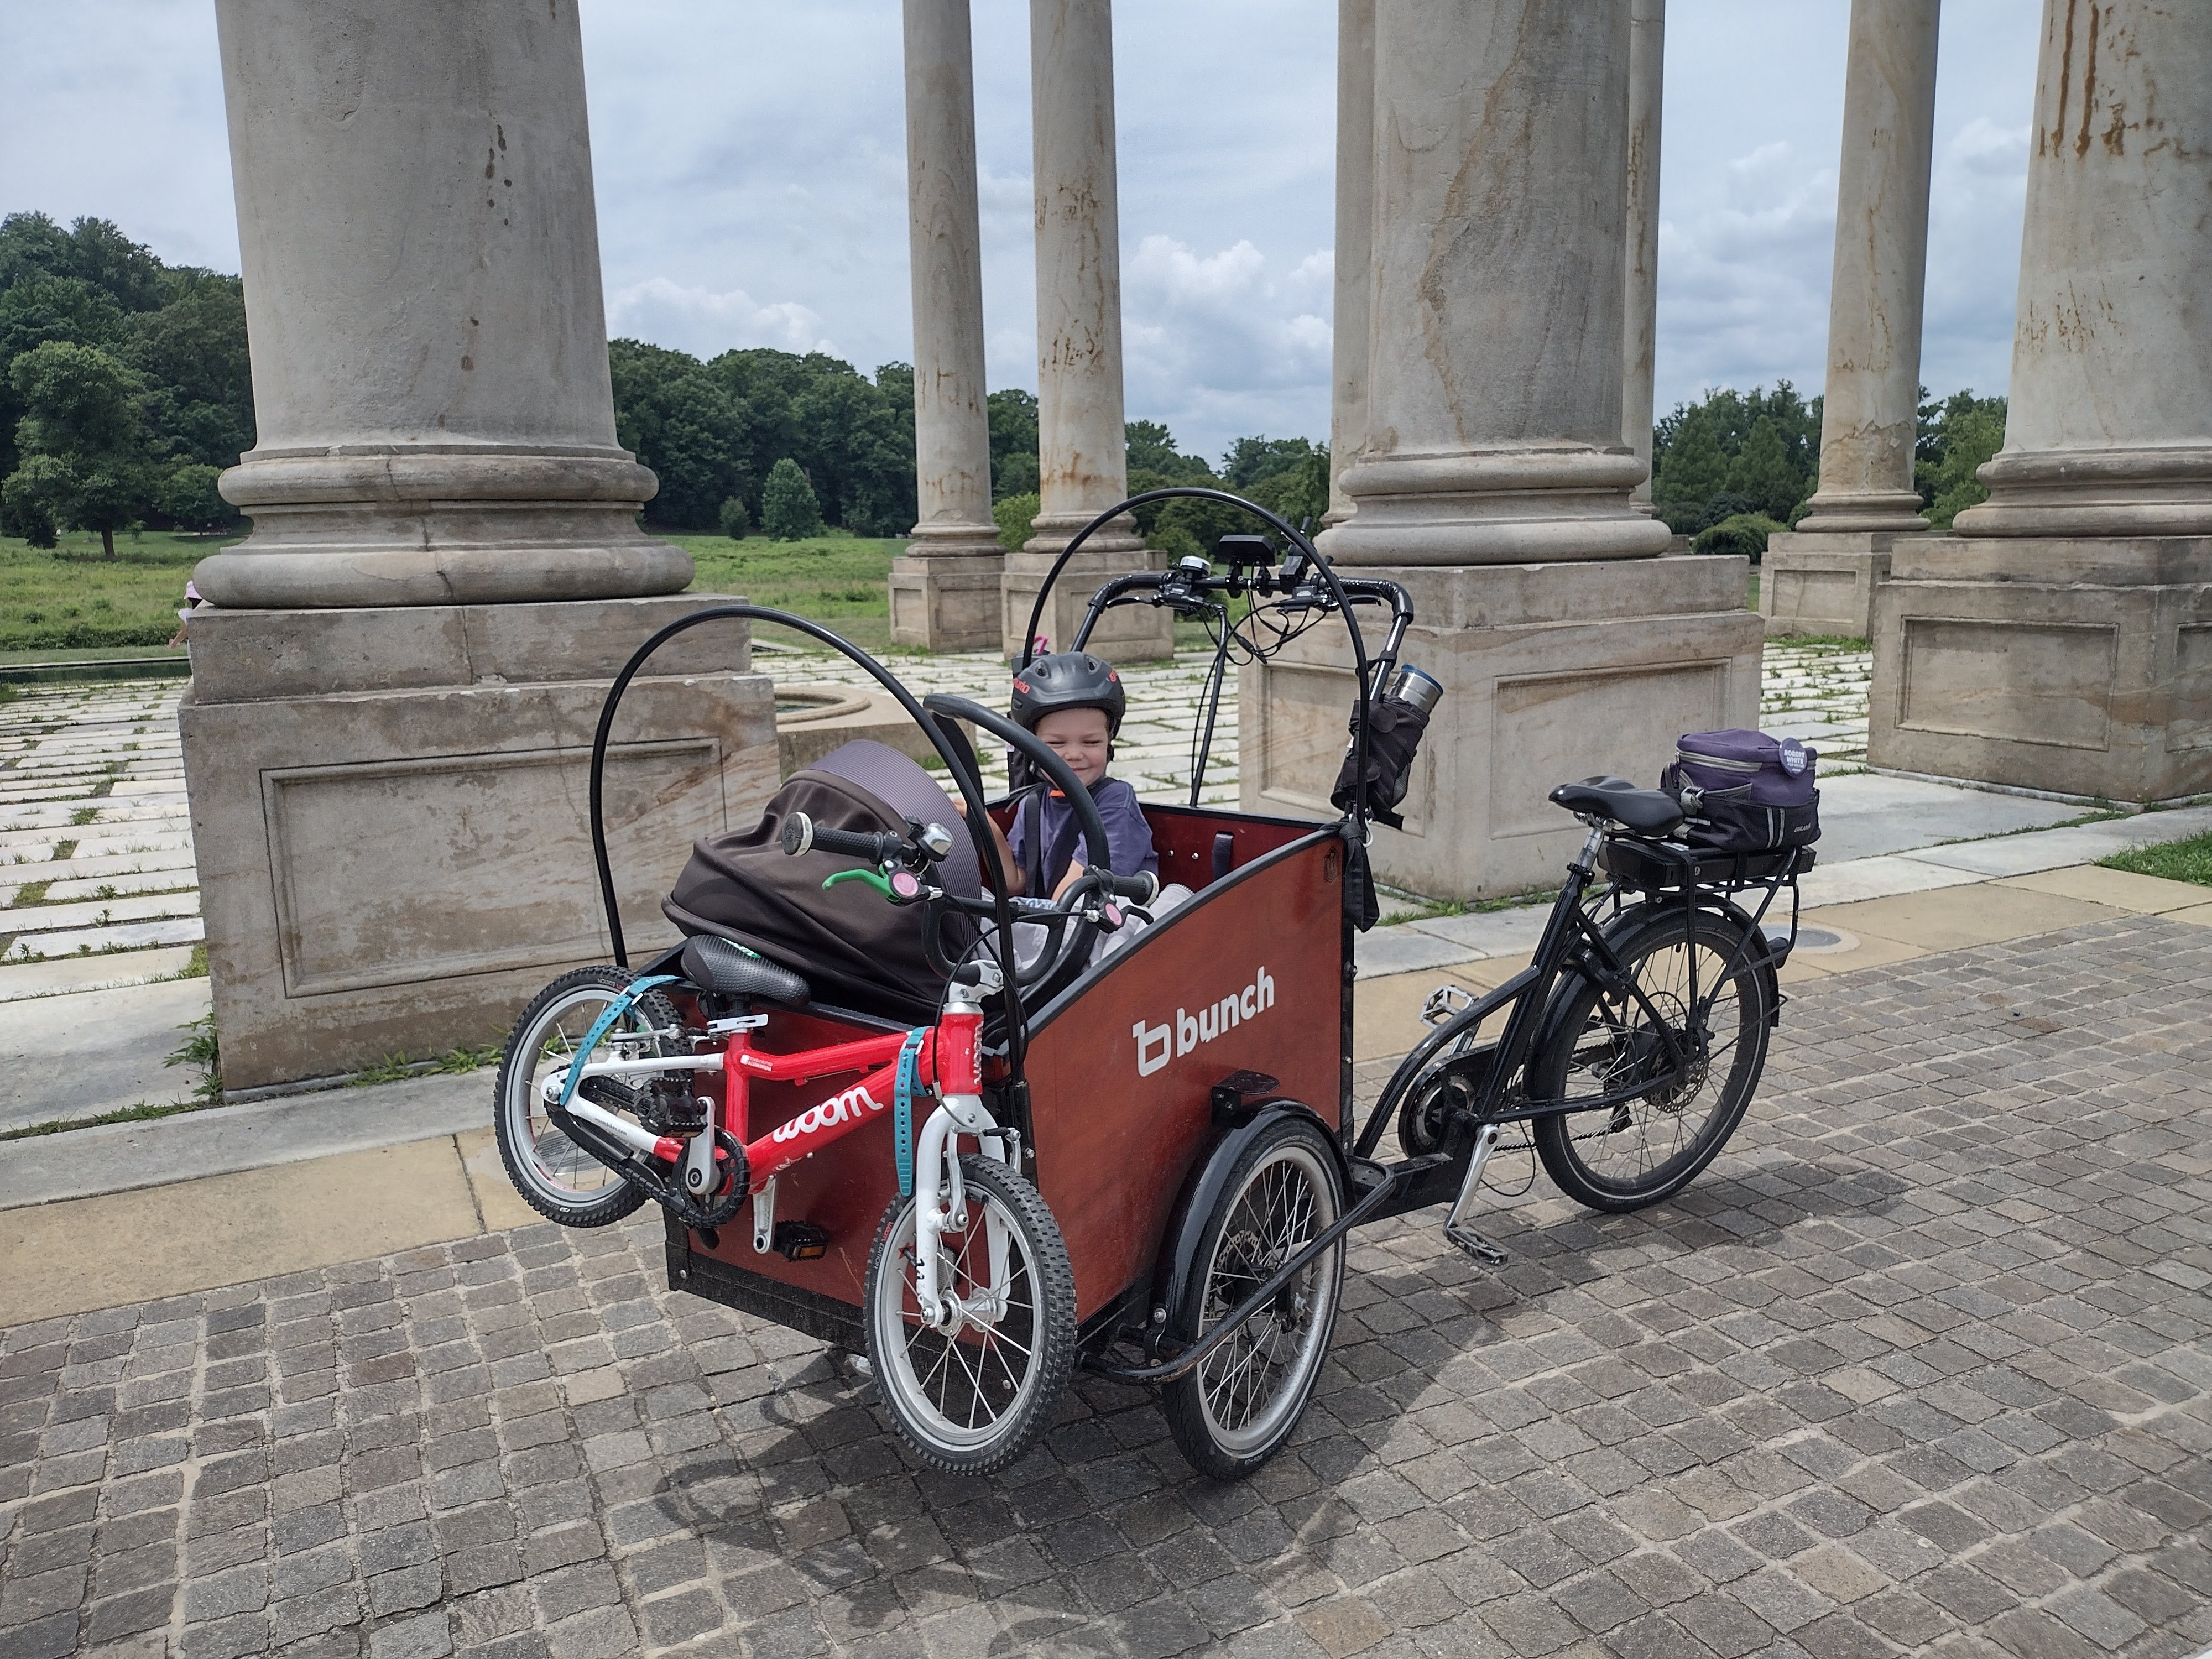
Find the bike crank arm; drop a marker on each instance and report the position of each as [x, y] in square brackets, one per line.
[1491, 1255]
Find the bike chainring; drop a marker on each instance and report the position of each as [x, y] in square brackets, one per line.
[714, 1212]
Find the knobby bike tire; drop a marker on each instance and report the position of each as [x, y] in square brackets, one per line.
[911, 1359]
[524, 1144]
[1652, 1146]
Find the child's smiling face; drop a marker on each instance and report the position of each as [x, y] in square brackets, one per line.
[1079, 737]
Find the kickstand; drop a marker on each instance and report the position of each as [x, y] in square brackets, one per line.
[1480, 1248]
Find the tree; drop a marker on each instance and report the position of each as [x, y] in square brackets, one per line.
[1152, 450]
[1013, 415]
[83, 413]
[1691, 468]
[27, 507]
[1250, 460]
[187, 495]
[1298, 495]
[1743, 533]
[789, 511]
[192, 356]
[736, 521]
[1956, 437]
[1013, 514]
[1762, 474]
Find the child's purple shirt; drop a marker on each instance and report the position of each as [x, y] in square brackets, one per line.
[1129, 837]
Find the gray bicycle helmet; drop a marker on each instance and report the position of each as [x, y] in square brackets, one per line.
[1068, 679]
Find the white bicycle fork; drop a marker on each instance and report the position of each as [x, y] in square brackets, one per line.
[940, 1205]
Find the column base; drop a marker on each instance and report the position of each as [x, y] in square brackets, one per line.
[389, 811]
[430, 524]
[946, 603]
[1823, 582]
[2071, 666]
[1138, 633]
[1552, 672]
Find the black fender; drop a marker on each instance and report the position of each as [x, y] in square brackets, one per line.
[1580, 968]
[1202, 1190]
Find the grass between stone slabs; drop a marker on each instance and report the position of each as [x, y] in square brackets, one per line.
[2187, 860]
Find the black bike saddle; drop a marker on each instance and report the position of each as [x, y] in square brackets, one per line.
[715, 964]
[1642, 811]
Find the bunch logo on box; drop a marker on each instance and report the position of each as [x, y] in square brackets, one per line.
[854, 1104]
[1159, 1044]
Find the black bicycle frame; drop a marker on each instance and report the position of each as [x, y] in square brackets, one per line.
[1570, 933]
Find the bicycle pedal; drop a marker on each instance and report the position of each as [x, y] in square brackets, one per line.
[799, 1240]
[1490, 1255]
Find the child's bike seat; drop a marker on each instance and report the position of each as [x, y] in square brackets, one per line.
[716, 964]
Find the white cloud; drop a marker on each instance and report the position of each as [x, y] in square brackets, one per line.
[1211, 339]
[706, 324]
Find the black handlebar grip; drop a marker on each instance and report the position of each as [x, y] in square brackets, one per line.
[1143, 887]
[801, 834]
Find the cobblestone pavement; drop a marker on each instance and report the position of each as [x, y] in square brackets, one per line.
[1921, 1366]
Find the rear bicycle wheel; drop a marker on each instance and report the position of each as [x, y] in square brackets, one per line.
[1236, 1410]
[971, 1399]
[558, 1178]
[1653, 1144]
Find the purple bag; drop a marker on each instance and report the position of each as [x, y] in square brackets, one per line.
[1745, 791]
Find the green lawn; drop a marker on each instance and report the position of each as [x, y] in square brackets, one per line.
[837, 581]
[2176, 861]
[68, 601]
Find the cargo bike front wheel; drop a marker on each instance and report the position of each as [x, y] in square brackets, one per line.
[974, 1388]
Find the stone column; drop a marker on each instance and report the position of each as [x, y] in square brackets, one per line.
[1083, 449]
[1355, 244]
[1821, 580]
[2062, 638]
[421, 261]
[395, 688]
[1647, 55]
[945, 592]
[1495, 483]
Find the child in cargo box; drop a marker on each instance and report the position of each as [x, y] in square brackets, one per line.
[1075, 701]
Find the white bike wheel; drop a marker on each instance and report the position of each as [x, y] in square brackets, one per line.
[971, 1400]
[556, 1177]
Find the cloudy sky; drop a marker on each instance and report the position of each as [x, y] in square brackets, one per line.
[752, 181]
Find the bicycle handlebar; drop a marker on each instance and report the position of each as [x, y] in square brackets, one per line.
[800, 835]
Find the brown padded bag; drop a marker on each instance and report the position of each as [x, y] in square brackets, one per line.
[856, 951]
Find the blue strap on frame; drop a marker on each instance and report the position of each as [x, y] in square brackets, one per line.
[909, 1079]
[614, 1011]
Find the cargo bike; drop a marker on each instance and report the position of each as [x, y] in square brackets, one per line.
[983, 1140]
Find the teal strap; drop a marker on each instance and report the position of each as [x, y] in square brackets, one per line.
[600, 1026]
[909, 1079]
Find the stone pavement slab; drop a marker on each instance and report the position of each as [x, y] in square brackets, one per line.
[1955, 917]
[97, 1051]
[117, 1157]
[1865, 814]
[21, 981]
[170, 1239]
[1918, 1367]
[2149, 895]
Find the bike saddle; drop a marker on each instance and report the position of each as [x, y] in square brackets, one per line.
[1644, 811]
[715, 964]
